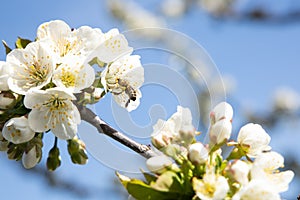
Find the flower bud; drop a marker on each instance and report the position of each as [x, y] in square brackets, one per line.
[17, 130]
[53, 160]
[198, 154]
[240, 170]
[31, 158]
[220, 131]
[7, 100]
[253, 139]
[221, 111]
[76, 149]
[158, 164]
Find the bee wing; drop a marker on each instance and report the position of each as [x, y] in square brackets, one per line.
[124, 101]
[135, 77]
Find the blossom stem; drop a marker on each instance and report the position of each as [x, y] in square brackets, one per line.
[55, 142]
[102, 127]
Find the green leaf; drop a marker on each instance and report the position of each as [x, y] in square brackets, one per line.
[149, 177]
[22, 43]
[96, 61]
[141, 191]
[236, 153]
[187, 172]
[169, 181]
[7, 48]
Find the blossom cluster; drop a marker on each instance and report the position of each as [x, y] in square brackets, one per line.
[189, 169]
[42, 81]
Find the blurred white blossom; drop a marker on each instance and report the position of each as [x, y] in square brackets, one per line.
[286, 99]
[173, 8]
[136, 17]
[240, 171]
[266, 167]
[257, 190]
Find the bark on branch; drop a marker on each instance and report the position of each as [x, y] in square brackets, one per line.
[102, 127]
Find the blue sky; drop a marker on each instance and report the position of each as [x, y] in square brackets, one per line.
[261, 57]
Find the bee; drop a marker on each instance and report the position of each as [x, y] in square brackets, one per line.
[130, 91]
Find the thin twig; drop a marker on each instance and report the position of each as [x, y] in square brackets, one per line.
[102, 127]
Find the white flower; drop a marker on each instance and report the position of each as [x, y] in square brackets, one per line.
[198, 154]
[31, 67]
[286, 99]
[67, 43]
[17, 130]
[4, 74]
[114, 47]
[158, 163]
[240, 170]
[211, 187]
[253, 139]
[123, 78]
[221, 111]
[173, 8]
[30, 159]
[174, 130]
[257, 190]
[74, 75]
[220, 131]
[53, 109]
[266, 167]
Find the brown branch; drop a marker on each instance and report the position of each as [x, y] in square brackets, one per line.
[102, 127]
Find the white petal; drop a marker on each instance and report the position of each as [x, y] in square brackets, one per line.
[30, 159]
[74, 75]
[124, 101]
[34, 97]
[221, 111]
[222, 188]
[112, 49]
[158, 163]
[39, 121]
[198, 153]
[65, 131]
[54, 30]
[269, 160]
[220, 131]
[17, 130]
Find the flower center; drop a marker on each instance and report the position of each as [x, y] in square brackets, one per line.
[37, 74]
[56, 102]
[68, 78]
